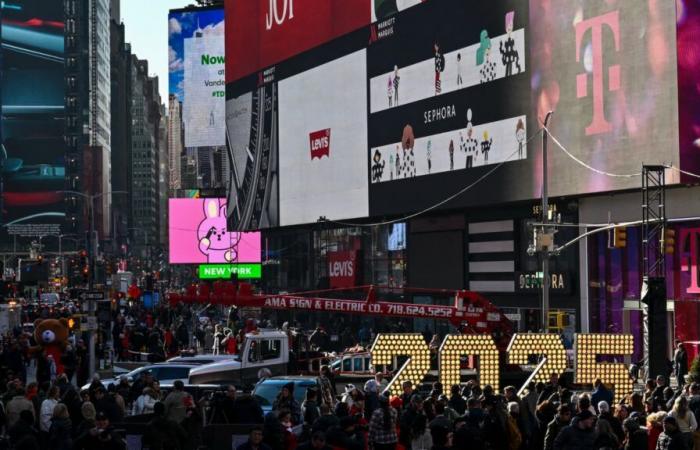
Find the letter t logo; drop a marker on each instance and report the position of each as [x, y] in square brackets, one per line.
[599, 124]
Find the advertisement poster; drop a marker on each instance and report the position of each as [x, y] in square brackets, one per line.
[197, 80]
[33, 112]
[456, 93]
[321, 145]
[198, 234]
[204, 96]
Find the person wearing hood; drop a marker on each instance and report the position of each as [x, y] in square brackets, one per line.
[616, 424]
[285, 400]
[580, 435]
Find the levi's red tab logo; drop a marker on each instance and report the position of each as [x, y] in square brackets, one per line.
[320, 142]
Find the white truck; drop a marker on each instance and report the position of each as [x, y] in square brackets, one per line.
[262, 351]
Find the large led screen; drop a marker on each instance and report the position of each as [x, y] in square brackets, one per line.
[198, 234]
[455, 96]
[196, 74]
[322, 172]
[688, 17]
[33, 111]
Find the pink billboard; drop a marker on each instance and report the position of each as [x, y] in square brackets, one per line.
[198, 234]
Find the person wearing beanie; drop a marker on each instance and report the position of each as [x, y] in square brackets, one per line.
[671, 438]
[604, 413]
[285, 400]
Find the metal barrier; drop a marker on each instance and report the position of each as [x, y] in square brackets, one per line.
[213, 436]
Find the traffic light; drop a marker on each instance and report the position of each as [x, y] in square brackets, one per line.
[620, 237]
[84, 267]
[669, 241]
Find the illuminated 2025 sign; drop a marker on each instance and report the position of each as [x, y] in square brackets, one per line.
[587, 347]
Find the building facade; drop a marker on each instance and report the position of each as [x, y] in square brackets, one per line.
[145, 114]
[175, 136]
[120, 61]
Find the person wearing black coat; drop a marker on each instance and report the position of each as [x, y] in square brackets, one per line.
[60, 431]
[163, 434]
[345, 435]
[22, 433]
[636, 438]
[580, 435]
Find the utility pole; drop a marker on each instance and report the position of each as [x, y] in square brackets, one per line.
[545, 226]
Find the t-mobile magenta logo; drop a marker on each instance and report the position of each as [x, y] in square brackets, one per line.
[599, 124]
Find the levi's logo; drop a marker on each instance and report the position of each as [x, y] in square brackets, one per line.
[341, 269]
[320, 142]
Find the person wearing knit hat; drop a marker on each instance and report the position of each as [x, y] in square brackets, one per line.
[285, 400]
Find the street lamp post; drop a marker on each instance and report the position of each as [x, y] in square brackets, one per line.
[92, 255]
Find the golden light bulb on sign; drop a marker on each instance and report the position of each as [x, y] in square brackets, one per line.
[613, 375]
[388, 346]
[454, 346]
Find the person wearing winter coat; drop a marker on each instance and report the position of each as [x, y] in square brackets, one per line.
[144, 403]
[671, 438]
[636, 438]
[60, 430]
[285, 400]
[580, 435]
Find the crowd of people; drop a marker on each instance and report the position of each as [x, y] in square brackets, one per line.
[52, 413]
[545, 416]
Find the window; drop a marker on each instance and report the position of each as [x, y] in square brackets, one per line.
[347, 364]
[358, 364]
[271, 349]
[173, 373]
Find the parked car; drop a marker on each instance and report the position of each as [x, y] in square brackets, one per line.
[165, 373]
[266, 391]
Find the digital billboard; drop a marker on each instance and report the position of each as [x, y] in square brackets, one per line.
[322, 145]
[198, 234]
[688, 44]
[33, 111]
[197, 80]
[455, 94]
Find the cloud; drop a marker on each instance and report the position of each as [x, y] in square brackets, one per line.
[175, 64]
[214, 29]
[174, 26]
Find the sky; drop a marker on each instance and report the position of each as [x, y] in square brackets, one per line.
[146, 27]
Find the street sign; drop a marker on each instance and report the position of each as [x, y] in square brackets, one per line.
[224, 271]
[88, 323]
[93, 295]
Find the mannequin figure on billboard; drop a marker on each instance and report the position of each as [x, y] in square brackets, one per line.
[439, 67]
[509, 55]
[483, 58]
[486, 146]
[390, 90]
[397, 78]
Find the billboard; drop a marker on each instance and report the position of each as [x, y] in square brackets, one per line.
[196, 79]
[33, 111]
[322, 146]
[198, 234]
[455, 93]
[688, 44]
